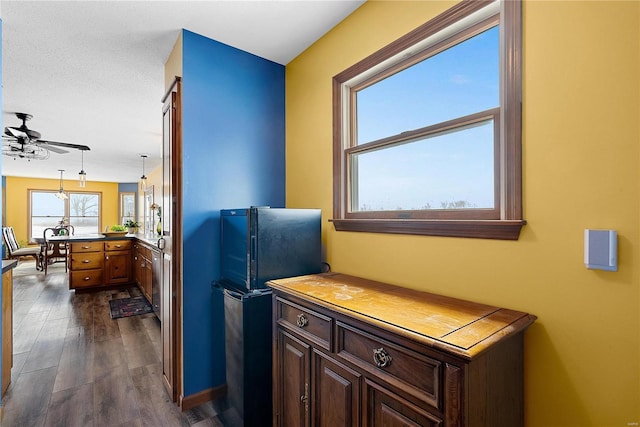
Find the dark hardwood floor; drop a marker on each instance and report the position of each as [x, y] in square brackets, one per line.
[75, 366]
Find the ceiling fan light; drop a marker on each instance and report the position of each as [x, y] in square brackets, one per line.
[61, 194]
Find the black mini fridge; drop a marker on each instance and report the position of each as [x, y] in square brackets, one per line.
[248, 355]
[257, 245]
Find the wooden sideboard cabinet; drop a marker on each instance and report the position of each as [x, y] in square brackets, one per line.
[350, 352]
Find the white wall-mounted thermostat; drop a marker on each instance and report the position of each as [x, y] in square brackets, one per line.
[601, 250]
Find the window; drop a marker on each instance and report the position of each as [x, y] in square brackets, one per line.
[81, 209]
[127, 207]
[427, 131]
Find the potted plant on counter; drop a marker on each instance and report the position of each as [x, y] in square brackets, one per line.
[132, 225]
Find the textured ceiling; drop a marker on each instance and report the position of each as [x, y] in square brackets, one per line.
[92, 72]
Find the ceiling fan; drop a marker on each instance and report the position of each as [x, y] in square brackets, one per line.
[22, 142]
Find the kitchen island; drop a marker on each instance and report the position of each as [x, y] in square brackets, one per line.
[97, 262]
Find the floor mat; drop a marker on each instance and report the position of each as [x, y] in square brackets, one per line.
[125, 307]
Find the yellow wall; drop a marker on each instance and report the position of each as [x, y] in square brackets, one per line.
[580, 162]
[173, 66]
[17, 193]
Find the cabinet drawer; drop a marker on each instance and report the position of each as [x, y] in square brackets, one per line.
[87, 261]
[85, 278]
[311, 325]
[86, 247]
[117, 245]
[404, 369]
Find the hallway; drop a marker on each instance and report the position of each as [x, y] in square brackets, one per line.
[75, 366]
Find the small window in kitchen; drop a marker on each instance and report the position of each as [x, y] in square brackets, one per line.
[427, 131]
[127, 207]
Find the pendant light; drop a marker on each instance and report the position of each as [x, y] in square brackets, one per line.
[82, 175]
[143, 178]
[61, 194]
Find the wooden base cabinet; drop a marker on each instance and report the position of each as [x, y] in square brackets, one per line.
[7, 328]
[351, 352]
[99, 263]
[147, 270]
[117, 262]
[86, 264]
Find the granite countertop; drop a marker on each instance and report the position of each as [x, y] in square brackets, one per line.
[152, 241]
[8, 264]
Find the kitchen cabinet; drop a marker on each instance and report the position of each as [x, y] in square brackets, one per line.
[142, 268]
[96, 263]
[7, 323]
[86, 265]
[350, 351]
[117, 262]
[147, 270]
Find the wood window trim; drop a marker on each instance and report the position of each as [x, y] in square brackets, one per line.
[510, 223]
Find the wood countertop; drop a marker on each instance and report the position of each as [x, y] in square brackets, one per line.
[461, 327]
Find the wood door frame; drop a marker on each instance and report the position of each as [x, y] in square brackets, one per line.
[175, 232]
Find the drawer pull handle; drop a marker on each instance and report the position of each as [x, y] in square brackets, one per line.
[118, 246]
[302, 320]
[381, 358]
[86, 278]
[86, 261]
[86, 247]
[305, 398]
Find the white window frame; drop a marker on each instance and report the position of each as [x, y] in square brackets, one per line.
[67, 210]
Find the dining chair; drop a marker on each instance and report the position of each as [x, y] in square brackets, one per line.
[14, 251]
[54, 251]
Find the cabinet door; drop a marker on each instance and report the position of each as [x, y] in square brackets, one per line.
[147, 278]
[336, 393]
[156, 280]
[137, 268]
[385, 408]
[118, 267]
[7, 329]
[291, 385]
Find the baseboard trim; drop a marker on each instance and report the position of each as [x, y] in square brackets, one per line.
[191, 401]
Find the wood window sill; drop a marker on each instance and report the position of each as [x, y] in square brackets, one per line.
[480, 229]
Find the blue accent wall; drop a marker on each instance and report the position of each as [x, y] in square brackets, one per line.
[128, 187]
[233, 135]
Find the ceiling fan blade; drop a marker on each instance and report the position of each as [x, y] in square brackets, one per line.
[63, 144]
[52, 148]
[16, 133]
